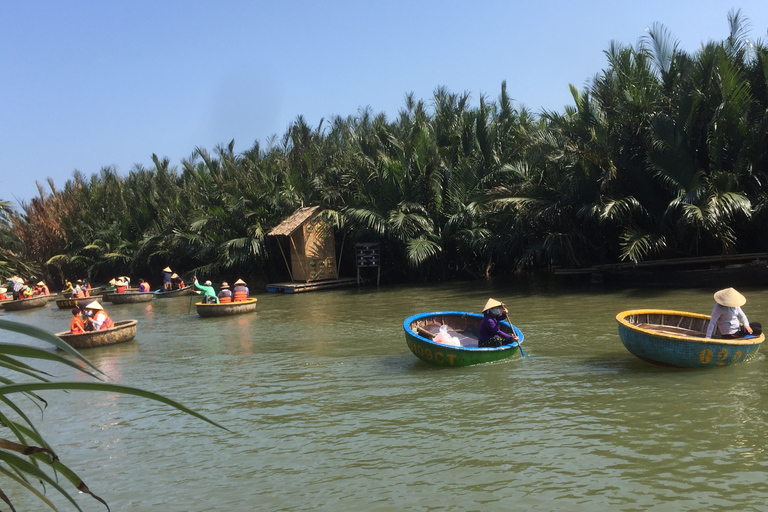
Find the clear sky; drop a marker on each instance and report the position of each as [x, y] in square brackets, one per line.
[86, 84]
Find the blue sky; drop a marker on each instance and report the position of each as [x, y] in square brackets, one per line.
[87, 84]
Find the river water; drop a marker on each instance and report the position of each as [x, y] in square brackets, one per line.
[328, 410]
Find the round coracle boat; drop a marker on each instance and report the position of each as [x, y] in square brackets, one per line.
[128, 297]
[38, 301]
[226, 309]
[678, 338]
[421, 336]
[123, 331]
[73, 303]
[181, 292]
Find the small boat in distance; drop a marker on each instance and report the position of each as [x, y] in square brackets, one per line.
[38, 301]
[163, 294]
[678, 338]
[421, 330]
[226, 309]
[128, 297]
[75, 302]
[123, 331]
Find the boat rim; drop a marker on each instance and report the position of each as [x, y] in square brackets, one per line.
[408, 321]
[621, 318]
[249, 300]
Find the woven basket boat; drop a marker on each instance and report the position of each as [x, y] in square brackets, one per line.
[37, 301]
[187, 290]
[226, 309]
[123, 331]
[678, 338]
[128, 297]
[421, 329]
[72, 303]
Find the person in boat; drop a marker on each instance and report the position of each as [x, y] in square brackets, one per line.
[209, 294]
[27, 292]
[99, 320]
[17, 285]
[177, 283]
[77, 326]
[68, 288]
[167, 279]
[78, 291]
[3, 292]
[490, 334]
[240, 291]
[225, 294]
[143, 286]
[729, 318]
[120, 285]
[43, 288]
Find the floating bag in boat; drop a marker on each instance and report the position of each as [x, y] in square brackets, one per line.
[445, 338]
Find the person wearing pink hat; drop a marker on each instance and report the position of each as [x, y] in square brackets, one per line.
[728, 316]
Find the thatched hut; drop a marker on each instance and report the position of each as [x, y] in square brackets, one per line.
[311, 244]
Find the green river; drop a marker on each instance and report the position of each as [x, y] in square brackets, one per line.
[327, 409]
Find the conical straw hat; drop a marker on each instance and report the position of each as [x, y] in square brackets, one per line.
[167, 269]
[94, 305]
[492, 303]
[239, 281]
[174, 275]
[730, 298]
[3, 290]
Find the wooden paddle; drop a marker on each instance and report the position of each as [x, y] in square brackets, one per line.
[519, 345]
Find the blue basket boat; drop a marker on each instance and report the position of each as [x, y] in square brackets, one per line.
[420, 331]
[678, 338]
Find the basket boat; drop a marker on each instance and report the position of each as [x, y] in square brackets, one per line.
[73, 303]
[678, 338]
[128, 297]
[123, 331]
[226, 309]
[421, 329]
[187, 290]
[37, 301]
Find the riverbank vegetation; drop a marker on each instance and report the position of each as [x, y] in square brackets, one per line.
[663, 155]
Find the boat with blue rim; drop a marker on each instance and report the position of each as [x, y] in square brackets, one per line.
[422, 329]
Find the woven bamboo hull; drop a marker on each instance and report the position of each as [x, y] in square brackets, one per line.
[228, 309]
[128, 297]
[187, 290]
[678, 338]
[122, 331]
[73, 303]
[439, 354]
[38, 301]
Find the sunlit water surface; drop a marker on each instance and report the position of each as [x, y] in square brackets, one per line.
[327, 409]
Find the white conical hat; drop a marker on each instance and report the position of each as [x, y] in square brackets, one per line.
[167, 269]
[730, 298]
[94, 305]
[239, 281]
[492, 303]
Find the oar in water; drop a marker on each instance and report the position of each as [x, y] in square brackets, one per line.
[520, 346]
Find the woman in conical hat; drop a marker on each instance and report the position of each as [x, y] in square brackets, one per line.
[240, 291]
[728, 316]
[167, 279]
[490, 334]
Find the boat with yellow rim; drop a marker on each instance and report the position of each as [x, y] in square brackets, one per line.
[226, 308]
[678, 338]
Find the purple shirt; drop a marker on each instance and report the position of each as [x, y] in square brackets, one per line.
[489, 327]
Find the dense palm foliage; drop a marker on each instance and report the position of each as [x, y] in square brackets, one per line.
[665, 154]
